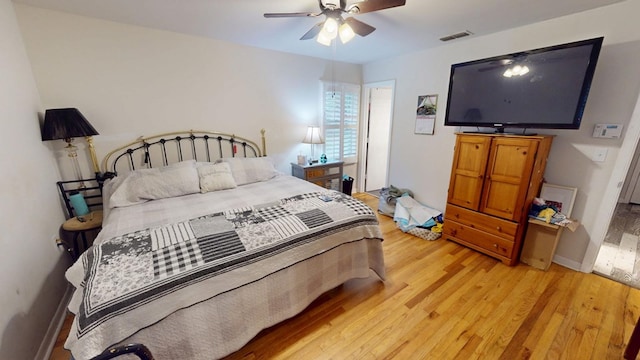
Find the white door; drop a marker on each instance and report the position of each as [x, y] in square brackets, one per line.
[379, 134]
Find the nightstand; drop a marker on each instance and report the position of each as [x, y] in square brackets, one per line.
[327, 175]
[92, 221]
[91, 191]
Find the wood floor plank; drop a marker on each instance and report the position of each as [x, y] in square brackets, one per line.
[444, 301]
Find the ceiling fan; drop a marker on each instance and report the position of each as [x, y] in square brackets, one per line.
[334, 25]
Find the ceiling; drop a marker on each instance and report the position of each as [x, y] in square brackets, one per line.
[416, 26]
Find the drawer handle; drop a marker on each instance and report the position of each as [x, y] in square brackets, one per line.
[498, 228]
[495, 246]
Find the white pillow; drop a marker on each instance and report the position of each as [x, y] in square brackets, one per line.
[158, 183]
[250, 170]
[215, 177]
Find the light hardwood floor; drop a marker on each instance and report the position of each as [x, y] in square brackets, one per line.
[443, 301]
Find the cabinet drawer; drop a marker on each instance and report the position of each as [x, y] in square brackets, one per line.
[314, 173]
[473, 219]
[480, 240]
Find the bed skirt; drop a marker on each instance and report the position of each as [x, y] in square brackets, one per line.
[220, 326]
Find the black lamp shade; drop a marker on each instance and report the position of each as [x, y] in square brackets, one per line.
[65, 124]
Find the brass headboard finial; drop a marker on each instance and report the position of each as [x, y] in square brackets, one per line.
[264, 142]
[92, 153]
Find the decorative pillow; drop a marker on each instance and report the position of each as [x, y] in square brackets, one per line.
[215, 177]
[250, 170]
[150, 184]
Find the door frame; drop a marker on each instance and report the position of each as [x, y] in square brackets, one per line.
[613, 189]
[632, 179]
[364, 133]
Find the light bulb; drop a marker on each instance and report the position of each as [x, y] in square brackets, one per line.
[346, 33]
[323, 39]
[330, 28]
[508, 73]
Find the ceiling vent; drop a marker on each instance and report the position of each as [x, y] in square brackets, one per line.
[456, 36]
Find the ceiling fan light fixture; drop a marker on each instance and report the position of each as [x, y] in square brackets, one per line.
[330, 28]
[323, 39]
[335, 24]
[346, 33]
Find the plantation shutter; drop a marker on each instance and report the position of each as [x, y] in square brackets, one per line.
[341, 113]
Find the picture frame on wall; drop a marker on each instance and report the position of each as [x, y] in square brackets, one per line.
[562, 197]
[426, 114]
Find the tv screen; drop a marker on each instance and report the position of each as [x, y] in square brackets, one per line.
[541, 88]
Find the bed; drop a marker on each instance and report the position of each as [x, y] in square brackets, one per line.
[204, 244]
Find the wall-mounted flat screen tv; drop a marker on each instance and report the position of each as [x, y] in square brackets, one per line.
[541, 88]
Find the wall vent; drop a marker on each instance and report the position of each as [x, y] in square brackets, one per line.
[456, 36]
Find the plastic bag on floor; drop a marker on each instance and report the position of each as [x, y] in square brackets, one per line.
[388, 197]
[410, 214]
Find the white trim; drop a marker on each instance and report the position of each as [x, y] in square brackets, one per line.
[613, 189]
[568, 263]
[49, 340]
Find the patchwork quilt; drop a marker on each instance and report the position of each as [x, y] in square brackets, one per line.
[136, 279]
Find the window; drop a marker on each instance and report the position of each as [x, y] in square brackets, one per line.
[341, 112]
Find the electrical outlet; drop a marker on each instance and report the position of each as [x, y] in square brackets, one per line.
[599, 155]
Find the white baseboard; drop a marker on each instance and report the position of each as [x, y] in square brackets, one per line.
[49, 341]
[571, 264]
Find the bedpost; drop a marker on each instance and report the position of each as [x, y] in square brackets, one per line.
[264, 143]
[92, 153]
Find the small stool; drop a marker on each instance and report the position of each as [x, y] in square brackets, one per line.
[92, 221]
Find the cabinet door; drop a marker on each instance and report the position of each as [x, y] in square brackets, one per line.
[508, 173]
[467, 173]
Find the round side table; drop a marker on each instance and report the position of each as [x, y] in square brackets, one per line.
[92, 220]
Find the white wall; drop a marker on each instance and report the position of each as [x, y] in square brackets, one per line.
[131, 81]
[31, 266]
[422, 163]
[128, 81]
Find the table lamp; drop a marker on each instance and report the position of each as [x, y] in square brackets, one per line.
[313, 137]
[67, 124]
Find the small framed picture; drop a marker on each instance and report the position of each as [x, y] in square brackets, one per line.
[562, 197]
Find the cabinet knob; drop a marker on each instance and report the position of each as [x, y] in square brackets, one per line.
[499, 228]
[495, 246]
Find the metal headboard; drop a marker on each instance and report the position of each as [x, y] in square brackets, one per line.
[164, 149]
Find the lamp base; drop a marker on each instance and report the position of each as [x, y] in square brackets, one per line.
[73, 156]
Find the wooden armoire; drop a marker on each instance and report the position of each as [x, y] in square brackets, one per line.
[494, 179]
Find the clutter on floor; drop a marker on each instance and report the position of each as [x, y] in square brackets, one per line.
[417, 219]
[388, 197]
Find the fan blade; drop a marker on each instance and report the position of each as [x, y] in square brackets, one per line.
[315, 30]
[374, 5]
[359, 27]
[282, 15]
